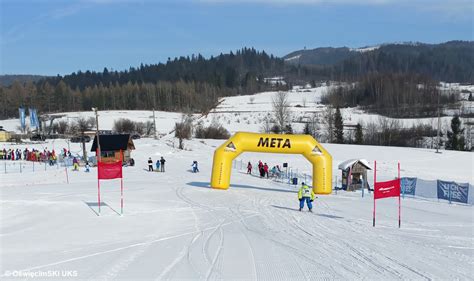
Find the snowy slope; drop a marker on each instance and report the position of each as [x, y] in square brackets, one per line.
[175, 227]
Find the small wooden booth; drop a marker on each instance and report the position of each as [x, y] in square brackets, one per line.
[4, 135]
[354, 174]
[111, 145]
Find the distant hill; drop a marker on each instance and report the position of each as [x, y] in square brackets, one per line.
[194, 84]
[7, 80]
[319, 56]
[452, 61]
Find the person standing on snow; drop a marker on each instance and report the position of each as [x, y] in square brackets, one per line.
[75, 164]
[249, 168]
[306, 194]
[162, 160]
[157, 165]
[150, 165]
[195, 167]
[265, 170]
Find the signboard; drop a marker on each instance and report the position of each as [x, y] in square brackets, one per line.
[408, 186]
[452, 191]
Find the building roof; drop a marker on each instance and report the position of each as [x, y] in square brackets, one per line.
[113, 142]
[351, 162]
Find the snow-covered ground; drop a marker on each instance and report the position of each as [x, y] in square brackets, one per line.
[175, 227]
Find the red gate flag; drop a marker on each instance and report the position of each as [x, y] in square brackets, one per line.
[107, 171]
[387, 189]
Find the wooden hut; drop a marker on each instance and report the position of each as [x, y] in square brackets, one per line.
[4, 135]
[354, 174]
[111, 145]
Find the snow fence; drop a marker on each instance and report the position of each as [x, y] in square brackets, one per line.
[410, 187]
[438, 189]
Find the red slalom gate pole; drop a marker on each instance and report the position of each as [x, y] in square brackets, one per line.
[375, 180]
[98, 194]
[399, 202]
[121, 183]
[121, 196]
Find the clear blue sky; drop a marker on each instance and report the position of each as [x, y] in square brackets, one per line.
[60, 37]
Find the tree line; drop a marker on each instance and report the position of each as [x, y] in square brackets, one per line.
[392, 94]
[450, 62]
[183, 84]
[386, 77]
[163, 95]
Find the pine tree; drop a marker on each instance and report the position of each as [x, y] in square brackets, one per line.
[338, 126]
[359, 136]
[455, 136]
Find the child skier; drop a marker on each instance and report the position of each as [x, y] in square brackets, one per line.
[306, 194]
[249, 168]
[75, 164]
[150, 165]
[195, 167]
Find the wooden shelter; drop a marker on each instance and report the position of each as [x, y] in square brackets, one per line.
[111, 145]
[4, 135]
[354, 174]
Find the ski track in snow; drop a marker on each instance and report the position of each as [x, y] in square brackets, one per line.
[176, 228]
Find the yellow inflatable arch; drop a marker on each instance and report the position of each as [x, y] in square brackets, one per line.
[273, 143]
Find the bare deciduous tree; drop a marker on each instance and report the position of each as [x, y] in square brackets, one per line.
[313, 126]
[80, 127]
[328, 119]
[124, 125]
[281, 109]
[266, 124]
[183, 129]
[62, 127]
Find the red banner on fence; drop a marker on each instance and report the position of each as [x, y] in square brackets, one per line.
[387, 189]
[107, 171]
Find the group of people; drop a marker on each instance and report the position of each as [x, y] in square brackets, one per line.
[160, 164]
[31, 155]
[264, 170]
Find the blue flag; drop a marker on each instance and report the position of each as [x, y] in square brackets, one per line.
[21, 110]
[34, 123]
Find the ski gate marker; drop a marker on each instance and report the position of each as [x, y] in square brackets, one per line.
[107, 171]
[305, 145]
[387, 189]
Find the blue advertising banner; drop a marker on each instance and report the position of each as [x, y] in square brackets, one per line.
[34, 123]
[408, 186]
[22, 112]
[457, 192]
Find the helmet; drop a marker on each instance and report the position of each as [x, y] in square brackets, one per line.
[302, 183]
